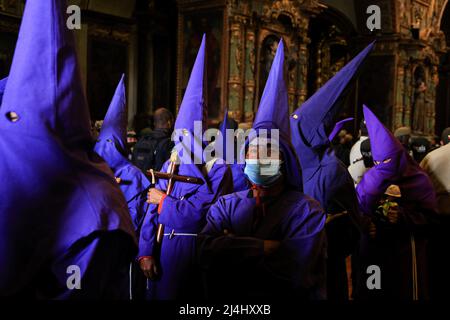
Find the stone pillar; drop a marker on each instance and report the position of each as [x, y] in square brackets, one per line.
[292, 76]
[302, 81]
[407, 94]
[250, 63]
[235, 81]
[398, 108]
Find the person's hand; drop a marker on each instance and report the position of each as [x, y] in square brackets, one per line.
[393, 214]
[148, 267]
[154, 196]
[270, 246]
[372, 230]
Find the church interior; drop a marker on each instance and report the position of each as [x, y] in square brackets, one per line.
[406, 80]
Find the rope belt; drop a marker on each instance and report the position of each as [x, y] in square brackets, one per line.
[173, 234]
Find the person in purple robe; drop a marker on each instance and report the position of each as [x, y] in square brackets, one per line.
[112, 147]
[325, 177]
[240, 181]
[268, 240]
[397, 241]
[65, 231]
[170, 268]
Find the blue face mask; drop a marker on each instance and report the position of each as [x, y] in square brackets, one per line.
[262, 174]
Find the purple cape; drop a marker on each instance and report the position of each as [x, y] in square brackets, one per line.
[111, 146]
[401, 170]
[57, 194]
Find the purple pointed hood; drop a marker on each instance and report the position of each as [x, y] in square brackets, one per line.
[192, 112]
[114, 125]
[192, 108]
[273, 113]
[338, 127]
[314, 120]
[396, 167]
[111, 146]
[58, 191]
[2, 88]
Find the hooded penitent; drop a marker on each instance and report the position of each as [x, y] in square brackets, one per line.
[183, 211]
[312, 125]
[325, 177]
[237, 266]
[112, 145]
[273, 114]
[55, 193]
[395, 167]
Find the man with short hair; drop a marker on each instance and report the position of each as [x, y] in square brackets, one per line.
[153, 149]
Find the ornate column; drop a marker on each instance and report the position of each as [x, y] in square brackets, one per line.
[292, 67]
[302, 84]
[250, 61]
[431, 110]
[398, 108]
[408, 97]
[235, 81]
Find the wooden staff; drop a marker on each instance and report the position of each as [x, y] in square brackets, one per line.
[171, 173]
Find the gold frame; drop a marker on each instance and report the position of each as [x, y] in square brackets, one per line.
[187, 7]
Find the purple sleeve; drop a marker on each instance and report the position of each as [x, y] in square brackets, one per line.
[214, 246]
[189, 214]
[148, 232]
[150, 223]
[301, 258]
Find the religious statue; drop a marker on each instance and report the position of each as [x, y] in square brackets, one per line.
[419, 107]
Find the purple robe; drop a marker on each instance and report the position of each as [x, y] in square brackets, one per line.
[183, 211]
[325, 177]
[240, 181]
[400, 249]
[402, 170]
[60, 207]
[235, 263]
